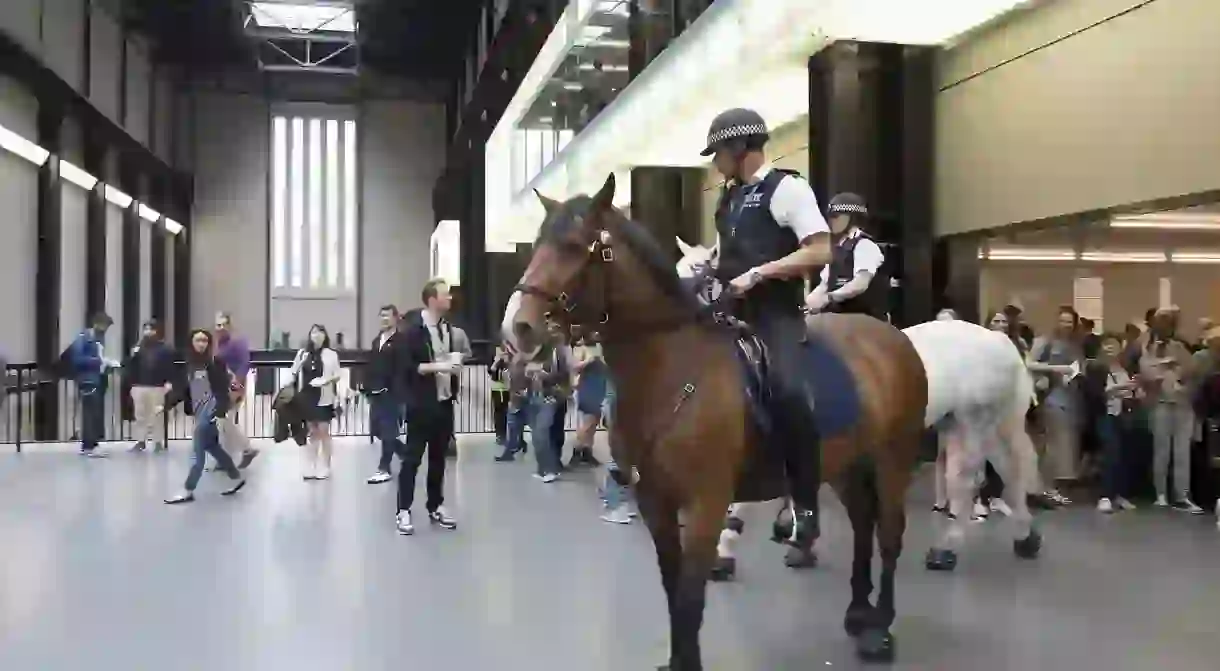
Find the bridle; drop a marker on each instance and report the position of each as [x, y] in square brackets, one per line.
[601, 255]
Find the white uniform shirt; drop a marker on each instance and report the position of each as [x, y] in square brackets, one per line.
[867, 258]
[440, 352]
[794, 206]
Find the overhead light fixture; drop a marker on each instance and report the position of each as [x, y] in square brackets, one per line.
[148, 214]
[23, 147]
[1028, 254]
[544, 119]
[573, 86]
[172, 226]
[1169, 221]
[1196, 257]
[1124, 257]
[302, 17]
[590, 33]
[605, 67]
[76, 175]
[116, 197]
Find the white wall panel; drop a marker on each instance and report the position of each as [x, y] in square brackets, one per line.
[114, 276]
[139, 88]
[63, 26]
[402, 152]
[20, 19]
[73, 206]
[18, 195]
[229, 217]
[106, 54]
[163, 116]
[146, 276]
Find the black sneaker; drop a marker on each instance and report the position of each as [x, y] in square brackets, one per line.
[589, 459]
[138, 447]
[441, 518]
[247, 458]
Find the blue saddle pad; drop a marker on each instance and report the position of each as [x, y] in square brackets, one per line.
[837, 404]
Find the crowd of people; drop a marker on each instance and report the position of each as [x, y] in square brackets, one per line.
[1132, 413]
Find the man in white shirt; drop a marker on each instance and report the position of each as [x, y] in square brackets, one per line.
[432, 370]
[771, 234]
[851, 282]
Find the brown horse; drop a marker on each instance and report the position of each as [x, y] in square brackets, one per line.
[683, 416]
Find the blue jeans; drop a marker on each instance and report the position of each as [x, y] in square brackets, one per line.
[613, 493]
[207, 441]
[1113, 432]
[542, 413]
[385, 420]
[514, 431]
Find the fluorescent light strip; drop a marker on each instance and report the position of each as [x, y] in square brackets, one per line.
[172, 226]
[1124, 257]
[76, 175]
[1168, 225]
[606, 67]
[116, 197]
[23, 147]
[147, 213]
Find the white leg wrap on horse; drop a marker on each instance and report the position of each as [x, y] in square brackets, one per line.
[727, 547]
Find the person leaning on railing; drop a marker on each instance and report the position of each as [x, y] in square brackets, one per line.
[498, 372]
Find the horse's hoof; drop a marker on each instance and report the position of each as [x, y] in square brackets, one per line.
[795, 557]
[940, 560]
[1028, 547]
[724, 570]
[875, 645]
[855, 622]
[780, 532]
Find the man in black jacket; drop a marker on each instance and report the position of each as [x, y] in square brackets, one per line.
[432, 369]
[385, 377]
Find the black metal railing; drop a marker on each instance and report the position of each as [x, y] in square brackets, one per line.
[22, 383]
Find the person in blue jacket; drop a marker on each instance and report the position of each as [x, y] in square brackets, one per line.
[90, 368]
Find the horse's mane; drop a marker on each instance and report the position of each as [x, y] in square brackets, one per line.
[640, 241]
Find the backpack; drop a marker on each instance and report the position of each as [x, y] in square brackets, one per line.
[64, 367]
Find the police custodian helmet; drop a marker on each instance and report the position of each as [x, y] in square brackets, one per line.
[847, 203]
[734, 124]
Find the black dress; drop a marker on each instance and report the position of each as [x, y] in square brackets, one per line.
[311, 369]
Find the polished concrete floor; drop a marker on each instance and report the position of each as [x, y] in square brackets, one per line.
[97, 574]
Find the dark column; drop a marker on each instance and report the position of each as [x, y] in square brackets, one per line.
[182, 267]
[669, 201]
[473, 251]
[870, 113]
[130, 254]
[956, 272]
[48, 274]
[95, 226]
[157, 289]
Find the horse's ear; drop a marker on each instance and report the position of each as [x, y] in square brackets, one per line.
[604, 200]
[683, 247]
[547, 203]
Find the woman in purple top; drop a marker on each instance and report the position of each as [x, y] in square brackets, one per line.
[234, 352]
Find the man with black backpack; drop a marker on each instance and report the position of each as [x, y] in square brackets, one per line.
[85, 362]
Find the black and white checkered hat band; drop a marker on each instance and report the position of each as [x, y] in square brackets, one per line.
[735, 132]
[848, 208]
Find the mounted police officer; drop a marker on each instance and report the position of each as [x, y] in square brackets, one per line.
[771, 234]
[853, 282]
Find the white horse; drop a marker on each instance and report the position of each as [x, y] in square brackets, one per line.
[978, 394]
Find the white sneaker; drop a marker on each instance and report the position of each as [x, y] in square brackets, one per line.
[1161, 501]
[546, 477]
[379, 477]
[1188, 506]
[1124, 504]
[617, 516]
[1001, 506]
[1104, 505]
[404, 523]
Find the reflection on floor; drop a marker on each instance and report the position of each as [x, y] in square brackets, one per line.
[95, 573]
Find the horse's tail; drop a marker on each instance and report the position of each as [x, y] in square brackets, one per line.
[1022, 455]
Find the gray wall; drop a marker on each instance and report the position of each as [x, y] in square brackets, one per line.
[1075, 106]
[18, 192]
[401, 147]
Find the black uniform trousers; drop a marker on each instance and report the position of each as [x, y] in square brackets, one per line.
[428, 432]
[784, 332]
